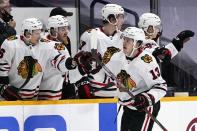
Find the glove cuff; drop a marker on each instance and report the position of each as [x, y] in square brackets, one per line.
[177, 43]
[69, 64]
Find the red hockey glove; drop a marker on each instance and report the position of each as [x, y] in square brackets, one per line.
[181, 38]
[10, 93]
[143, 100]
[83, 61]
[86, 63]
[84, 89]
[162, 54]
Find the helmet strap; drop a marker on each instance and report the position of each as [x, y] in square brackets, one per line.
[134, 43]
[27, 40]
[54, 37]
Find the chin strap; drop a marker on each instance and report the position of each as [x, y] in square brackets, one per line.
[27, 40]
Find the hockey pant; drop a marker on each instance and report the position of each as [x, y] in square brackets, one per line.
[133, 120]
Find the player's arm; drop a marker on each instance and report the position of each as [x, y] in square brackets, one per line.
[182, 38]
[64, 62]
[155, 82]
[157, 88]
[7, 91]
[166, 53]
[61, 57]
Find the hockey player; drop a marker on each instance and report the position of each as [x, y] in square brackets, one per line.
[23, 59]
[60, 11]
[139, 72]
[55, 85]
[151, 24]
[58, 32]
[108, 35]
[52, 82]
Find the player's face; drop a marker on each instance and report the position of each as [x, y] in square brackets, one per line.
[120, 19]
[62, 33]
[155, 31]
[127, 46]
[35, 36]
[7, 6]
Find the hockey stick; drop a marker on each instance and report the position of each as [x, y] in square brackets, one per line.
[93, 41]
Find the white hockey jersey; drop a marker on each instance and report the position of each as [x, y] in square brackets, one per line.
[52, 81]
[141, 74]
[100, 79]
[15, 63]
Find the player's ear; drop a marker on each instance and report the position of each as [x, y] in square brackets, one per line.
[112, 19]
[52, 31]
[26, 34]
[139, 43]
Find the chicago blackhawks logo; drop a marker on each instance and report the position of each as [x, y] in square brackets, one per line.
[147, 58]
[59, 46]
[29, 66]
[12, 38]
[109, 53]
[125, 80]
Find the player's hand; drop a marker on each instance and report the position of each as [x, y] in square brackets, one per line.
[84, 88]
[184, 35]
[83, 60]
[142, 101]
[10, 93]
[181, 38]
[162, 53]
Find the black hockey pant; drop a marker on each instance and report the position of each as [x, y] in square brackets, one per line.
[133, 120]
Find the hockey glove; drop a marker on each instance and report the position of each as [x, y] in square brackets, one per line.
[162, 54]
[86, 63]
[181, 38]
[95, 65]
[84, 90]
[68, 91]
[83, 61]
[10, 93]
[142, 101]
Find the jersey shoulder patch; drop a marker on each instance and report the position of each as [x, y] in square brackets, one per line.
[146, 58]
[12, 37]
[44, 40]
[59, 46]
[109, 53]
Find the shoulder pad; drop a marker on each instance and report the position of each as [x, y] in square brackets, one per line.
[109, 53]
[12, 37]
[146, 58]
[44, 40]
[59, 46]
